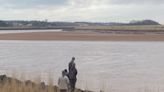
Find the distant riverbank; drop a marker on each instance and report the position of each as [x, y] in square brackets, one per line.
[33, 28]
[29, 31]
[81, 36]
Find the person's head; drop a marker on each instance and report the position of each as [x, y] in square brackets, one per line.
[65, 70]
[73, 58]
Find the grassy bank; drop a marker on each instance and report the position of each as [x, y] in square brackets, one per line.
[124, 28]
[11, 84]
[117, 28]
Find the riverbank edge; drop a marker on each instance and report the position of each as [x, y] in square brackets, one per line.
[80, 36]
[5, 80]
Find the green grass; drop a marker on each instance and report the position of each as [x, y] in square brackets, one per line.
[136, 28]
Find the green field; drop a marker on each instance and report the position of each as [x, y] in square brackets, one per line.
[128, 28]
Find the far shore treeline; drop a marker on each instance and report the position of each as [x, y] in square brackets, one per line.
[46, 24]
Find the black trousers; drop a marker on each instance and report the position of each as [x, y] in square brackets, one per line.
[72, 84]
[63, 90]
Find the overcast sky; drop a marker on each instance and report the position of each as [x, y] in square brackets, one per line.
[82, 10]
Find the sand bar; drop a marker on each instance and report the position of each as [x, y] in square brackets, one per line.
[78, 36]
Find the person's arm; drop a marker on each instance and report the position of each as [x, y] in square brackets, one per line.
[70, 65]
[76, 72]
[58, 81]
[68, 82]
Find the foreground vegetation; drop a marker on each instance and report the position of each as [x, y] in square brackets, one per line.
[11, 84]
[8, 84]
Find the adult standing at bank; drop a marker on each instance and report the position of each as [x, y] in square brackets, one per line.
[71, 62]
[72, 74]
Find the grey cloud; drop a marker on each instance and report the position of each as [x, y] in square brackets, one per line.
[137, 1]
[31, 3]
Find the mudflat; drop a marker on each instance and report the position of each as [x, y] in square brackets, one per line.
[81, 36]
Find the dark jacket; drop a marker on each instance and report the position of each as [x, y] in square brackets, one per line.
[72, 73]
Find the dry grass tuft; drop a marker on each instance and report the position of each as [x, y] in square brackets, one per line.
[8, 84]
